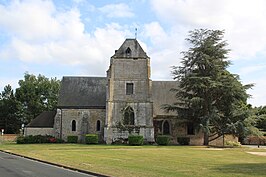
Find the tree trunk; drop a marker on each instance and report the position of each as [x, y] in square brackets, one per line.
[223, 139]
[206, 139]
[206, 131]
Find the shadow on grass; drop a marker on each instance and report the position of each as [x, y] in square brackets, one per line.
[251, 169]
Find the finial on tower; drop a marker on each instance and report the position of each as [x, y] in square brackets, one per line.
[136, 33]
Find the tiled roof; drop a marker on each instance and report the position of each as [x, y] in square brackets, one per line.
[130, 49]
[44, 120]
[82, 92]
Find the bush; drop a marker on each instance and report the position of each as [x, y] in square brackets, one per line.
[233, 143]
[135, 140]
[91, 139]
[183, 140]
[72, 139]
[58, 140]
[37, 139]
[52, 140]
[162, 140]
[20, 140]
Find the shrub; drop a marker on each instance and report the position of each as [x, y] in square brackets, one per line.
[233, 143]
[37, 139]
[135, 140]
[58, 140]
[52, 140]
[20, 140]
[162, 140]
[183, 140]
[91, 139]
[72, 139]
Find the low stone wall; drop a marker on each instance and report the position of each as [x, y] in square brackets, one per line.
[9, 137]
[38, 131]
[219, 141]
[255, 140]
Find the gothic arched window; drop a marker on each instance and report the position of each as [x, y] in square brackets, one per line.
[98, 125]
[129, 117]
[166, 128]
[73, 124]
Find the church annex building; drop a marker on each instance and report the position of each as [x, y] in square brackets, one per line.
[124, 102]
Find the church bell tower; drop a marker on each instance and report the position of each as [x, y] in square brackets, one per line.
[128, 104]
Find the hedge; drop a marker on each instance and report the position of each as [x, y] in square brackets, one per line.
[72, 139]
[183, 140]
[91, 139]
[162, 140]
[37, 139]
[135, 140]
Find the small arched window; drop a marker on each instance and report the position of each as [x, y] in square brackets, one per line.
[129, 117]
[98, 125]
[73, 124]
[166, 128]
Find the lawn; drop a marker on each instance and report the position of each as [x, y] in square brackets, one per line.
[149, 160]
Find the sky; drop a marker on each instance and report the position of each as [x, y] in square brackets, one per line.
[77, 37]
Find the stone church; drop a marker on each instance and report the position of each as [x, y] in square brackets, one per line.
[124, 102]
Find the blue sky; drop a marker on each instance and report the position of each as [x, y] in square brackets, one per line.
[78, 37]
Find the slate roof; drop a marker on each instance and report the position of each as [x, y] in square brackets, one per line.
[161, 94]
[82, 92]
[130, 49]
[44, 120]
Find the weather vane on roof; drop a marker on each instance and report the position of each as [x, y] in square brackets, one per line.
[136, 33]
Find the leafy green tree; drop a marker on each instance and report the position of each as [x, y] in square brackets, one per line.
[37, 94]
[260, 116]
[207, 94]
[9, 114]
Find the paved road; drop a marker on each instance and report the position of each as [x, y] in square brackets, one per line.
[255, 146]
[14, 166]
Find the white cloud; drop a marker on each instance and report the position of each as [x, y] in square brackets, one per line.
[8, 81]
[164, 50]
[156, 33]
[117, 10]
[242, 20]
[40, 34]
[258, 94]
[29, 19]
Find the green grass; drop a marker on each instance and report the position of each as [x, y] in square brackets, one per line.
[149, 160]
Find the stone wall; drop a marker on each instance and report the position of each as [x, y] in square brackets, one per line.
[123, 71]
[219, 141]
[255, 140]
[38, 131]
[178, 128]
[143, 124]
[9, 137]
[181, 131]
[86, 122]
